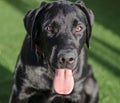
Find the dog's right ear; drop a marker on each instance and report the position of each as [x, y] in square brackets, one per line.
[90, 19]
[30, 19]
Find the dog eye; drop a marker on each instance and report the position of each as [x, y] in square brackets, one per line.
[49, 28]
[78, 28]
[56, 29]
[52, 29]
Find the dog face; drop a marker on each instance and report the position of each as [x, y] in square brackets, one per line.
[60, 29]
[63, 34]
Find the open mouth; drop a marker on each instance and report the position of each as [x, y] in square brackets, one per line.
[63, 81]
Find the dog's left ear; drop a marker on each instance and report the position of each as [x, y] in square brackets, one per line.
[30, 20]
[90, 19]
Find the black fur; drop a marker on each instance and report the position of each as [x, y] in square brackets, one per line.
[51, 35]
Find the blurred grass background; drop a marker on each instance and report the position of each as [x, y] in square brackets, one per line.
[104, 55]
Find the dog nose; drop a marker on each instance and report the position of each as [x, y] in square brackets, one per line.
[66, 59]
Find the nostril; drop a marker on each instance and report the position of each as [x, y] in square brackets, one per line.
[62, 60]
[71, 60]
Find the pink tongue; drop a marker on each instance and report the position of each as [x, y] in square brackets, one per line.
[63, 81]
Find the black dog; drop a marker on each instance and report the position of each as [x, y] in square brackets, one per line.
[52, 66]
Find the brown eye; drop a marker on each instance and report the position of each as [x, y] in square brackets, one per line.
[52, 29]
[49, 28]
[78, 28]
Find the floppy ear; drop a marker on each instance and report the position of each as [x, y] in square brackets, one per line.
[90, 19]
[30, 20]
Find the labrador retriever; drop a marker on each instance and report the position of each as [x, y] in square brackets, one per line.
[52, 65]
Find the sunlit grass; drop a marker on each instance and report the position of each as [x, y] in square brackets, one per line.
[104, 58]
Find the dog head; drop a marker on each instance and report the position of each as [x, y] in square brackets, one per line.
[60, 29]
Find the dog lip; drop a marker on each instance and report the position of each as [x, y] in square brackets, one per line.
[74, 71]
[54, 70]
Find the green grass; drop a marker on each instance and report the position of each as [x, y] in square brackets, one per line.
[104, 54]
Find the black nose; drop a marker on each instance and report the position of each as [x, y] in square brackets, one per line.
[67, 59]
